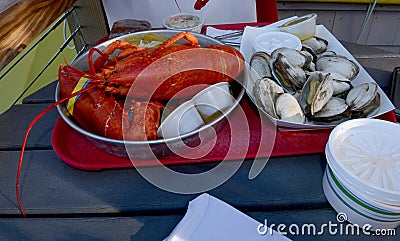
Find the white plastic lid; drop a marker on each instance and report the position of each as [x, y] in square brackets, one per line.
[366, 154]
[269, 41]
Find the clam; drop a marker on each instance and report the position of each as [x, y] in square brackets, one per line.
[326, 53]
[318, 44]
[322, 95]
[335, 109]
[265, 93]
[338, 64]
[294, 56]
[259, 64]
[288, 109]
[340, 83]
[311, 67]
[309, 56]
[363, 99]
[289, 76]
[309, 51]
[340, 86]
[316, 92]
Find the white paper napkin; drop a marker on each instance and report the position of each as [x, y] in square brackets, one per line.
[208, 218]
[249, 34]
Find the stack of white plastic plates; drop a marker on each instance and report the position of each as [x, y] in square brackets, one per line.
[362, 178]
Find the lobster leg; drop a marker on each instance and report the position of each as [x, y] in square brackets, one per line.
[126, 47]
[186, 35]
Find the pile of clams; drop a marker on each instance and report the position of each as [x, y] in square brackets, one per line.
[311, 86]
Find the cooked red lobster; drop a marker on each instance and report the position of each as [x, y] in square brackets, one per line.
[144, 77]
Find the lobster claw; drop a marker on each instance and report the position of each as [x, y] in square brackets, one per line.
[199, 4]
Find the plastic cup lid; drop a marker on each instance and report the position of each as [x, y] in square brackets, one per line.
[367, 150]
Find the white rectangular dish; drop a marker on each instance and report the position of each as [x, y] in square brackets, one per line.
[334, 45]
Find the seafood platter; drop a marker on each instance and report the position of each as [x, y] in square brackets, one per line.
[122, 105]
[318, 86]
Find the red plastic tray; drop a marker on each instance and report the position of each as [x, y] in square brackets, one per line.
[260, 139]
[75, 150]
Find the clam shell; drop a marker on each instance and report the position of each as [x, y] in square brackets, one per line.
[340, 87]
[290, 77]
[326, 53]
[265, 93]
[363, 99]
[338, 64]
[334, 109]
[318, 44]
[309, 51]
[288, 109]
[323, 94]
[294, 56]
[340, 83]
[259, 66]
[314, 97]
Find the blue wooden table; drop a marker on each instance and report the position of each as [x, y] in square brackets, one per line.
[64, 203]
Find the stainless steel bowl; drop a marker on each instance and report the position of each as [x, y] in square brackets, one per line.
[153, 148]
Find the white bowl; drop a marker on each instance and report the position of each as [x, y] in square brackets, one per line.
[184, 119]
[303, 27]
[269, 41]
[213, 101]
[184, 22]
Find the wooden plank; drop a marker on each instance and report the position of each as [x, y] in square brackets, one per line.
[49, 187]
[326, 18]
[44, 95]
[360, 51]
[15, 121]
[380, 32]
[158, 227]
[345, 21]
[388, 7]
[393, 49]
[397, 37]
[285, 14]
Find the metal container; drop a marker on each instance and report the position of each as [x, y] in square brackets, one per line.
[395, 91]
[154, 149]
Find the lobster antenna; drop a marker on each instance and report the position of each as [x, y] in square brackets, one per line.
[33, 122]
